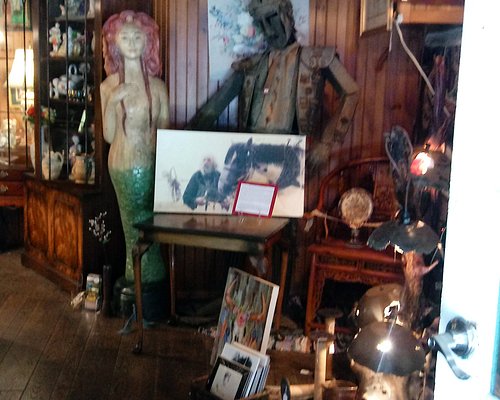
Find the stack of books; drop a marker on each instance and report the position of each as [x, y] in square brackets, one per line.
[238, 372]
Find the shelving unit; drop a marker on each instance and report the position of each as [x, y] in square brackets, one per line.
[68, 135]
[431, 12]
[16, 95]
[57, 210]
[68, 76]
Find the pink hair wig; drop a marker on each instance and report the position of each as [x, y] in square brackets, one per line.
[113, 61]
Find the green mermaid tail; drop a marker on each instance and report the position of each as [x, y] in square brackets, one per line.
[135, 193]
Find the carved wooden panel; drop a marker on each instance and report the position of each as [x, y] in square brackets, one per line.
[57, 241]
[67, 234]
[36, 226]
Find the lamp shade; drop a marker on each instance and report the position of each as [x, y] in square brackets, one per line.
[415, 236]
[377, 304]
[431, 169]
[388, 348]
[22, 70]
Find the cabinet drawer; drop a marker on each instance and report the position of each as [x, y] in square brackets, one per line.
[8, 188]
[11, 174]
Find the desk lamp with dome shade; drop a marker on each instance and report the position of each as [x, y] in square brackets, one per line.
[388, 349]
[410, 172]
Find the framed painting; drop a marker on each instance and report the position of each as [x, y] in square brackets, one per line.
[233, 35]
[375, 15]
[17, 12]
[199, 171]
[246, 313]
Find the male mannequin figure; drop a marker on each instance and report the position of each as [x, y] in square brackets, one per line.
[281, 90]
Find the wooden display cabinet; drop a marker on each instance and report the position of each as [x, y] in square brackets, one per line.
[58, 206]
[16, 94]
[58, 243]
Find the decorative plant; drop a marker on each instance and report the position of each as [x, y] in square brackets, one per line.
[48, 115]
[97, 226]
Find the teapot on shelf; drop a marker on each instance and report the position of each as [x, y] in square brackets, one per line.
[61, 85]
[52, 163]
[65, 84]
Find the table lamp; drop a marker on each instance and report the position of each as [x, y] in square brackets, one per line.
[21, 78]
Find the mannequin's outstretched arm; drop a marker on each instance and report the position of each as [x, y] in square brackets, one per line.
[208, 114]
[348, 91]
[337, 127]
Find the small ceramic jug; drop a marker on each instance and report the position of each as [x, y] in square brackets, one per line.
[52, 164]
[81, 169]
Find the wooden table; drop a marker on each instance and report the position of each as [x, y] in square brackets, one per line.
[252, 235]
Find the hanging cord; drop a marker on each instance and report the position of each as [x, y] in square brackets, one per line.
[397, 21]
[406, 217]
[391, 158]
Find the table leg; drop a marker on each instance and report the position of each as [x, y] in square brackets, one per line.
[171, 257]
[311, 297]
[137, 252]
[281, 294]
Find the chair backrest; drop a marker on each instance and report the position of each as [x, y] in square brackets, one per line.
[372, 174]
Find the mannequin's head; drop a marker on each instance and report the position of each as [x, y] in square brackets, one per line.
[127, 34]
[275, 19]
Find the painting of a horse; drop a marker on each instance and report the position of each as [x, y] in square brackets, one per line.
[276, 159]
[278, 164]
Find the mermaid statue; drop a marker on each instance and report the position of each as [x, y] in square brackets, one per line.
[134, 105]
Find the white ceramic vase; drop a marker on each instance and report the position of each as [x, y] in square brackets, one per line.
[52, 164]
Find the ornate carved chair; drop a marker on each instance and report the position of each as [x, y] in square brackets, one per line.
[343, 222]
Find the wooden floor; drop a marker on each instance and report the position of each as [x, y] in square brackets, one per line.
[50, 351]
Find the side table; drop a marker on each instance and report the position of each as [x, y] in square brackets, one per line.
[252, 235]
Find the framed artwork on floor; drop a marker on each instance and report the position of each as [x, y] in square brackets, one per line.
[247, 312]
[228, 379]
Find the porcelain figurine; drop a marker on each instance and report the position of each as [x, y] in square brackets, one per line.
[62, 85]
[55, 38]
[75, 149]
